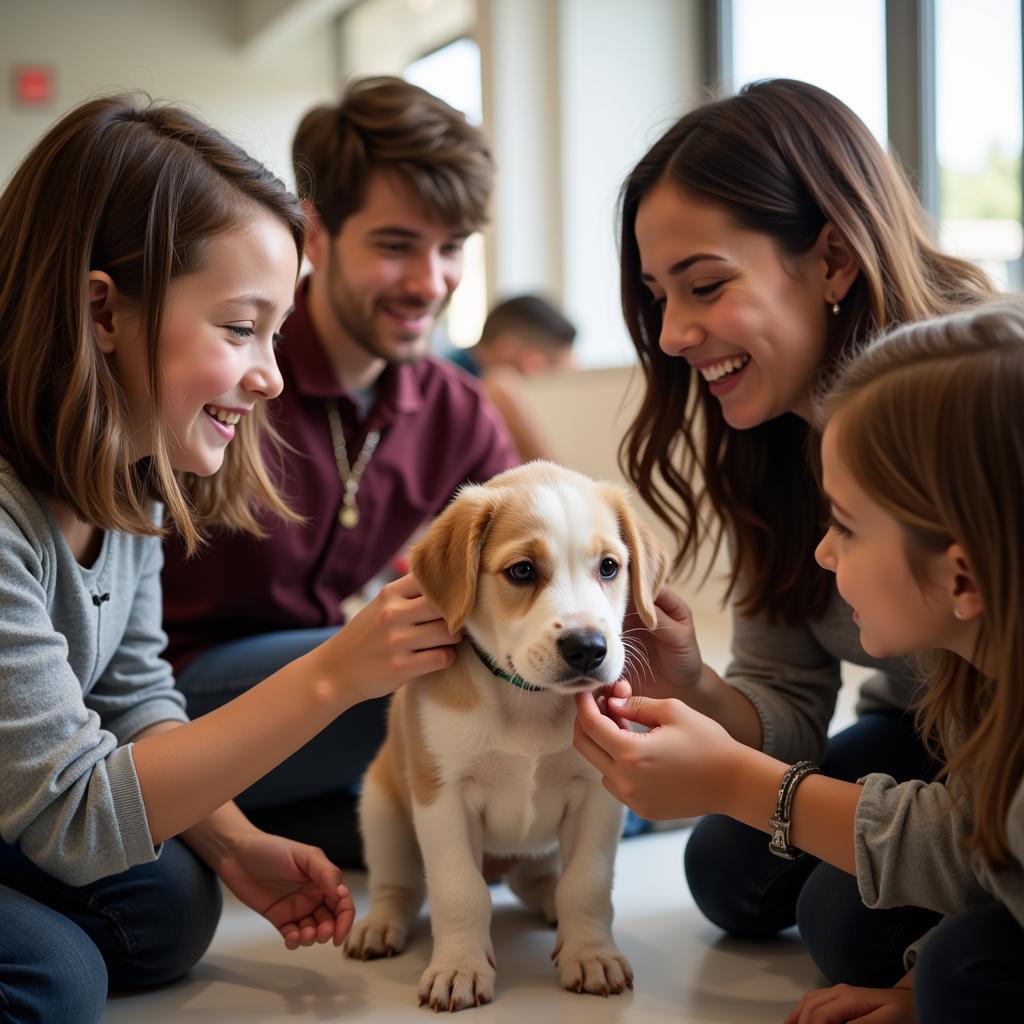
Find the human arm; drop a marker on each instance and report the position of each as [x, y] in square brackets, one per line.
[846, 1003]
[491, 448]
[503, 387]
[186, 773]
[687, 764]
[903, 841]
[79, 681]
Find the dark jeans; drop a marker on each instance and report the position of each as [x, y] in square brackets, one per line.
[747, 891]
[310, 796]
[969, 970]
[62, 946]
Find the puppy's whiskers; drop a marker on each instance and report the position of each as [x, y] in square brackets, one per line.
[637, 656]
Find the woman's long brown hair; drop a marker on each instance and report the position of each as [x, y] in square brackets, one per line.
[134, 189]
[929, 423]
[782, 158]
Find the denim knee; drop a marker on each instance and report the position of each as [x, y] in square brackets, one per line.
[165, 926]
[53, 972]
[823, 913]
[849, 942]
[736, 883]
[969, 969]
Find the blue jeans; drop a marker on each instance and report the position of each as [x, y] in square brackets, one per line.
[62, 946]
[747, 891]
[969, 970]
[332, 762]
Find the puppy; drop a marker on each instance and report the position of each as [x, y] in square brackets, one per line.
[536, 566]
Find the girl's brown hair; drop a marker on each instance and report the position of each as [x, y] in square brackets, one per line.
[928, 421]
[384, 124]
[782, 158]
[134, 189]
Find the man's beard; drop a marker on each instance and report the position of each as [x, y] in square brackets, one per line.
[361, 330]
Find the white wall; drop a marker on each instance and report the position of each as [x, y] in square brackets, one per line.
[628, 72]
[187, 51]
[575, 91]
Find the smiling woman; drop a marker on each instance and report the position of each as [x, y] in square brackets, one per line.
[765, 238]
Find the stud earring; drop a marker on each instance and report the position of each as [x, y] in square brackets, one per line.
[835, 304]
[958, 613]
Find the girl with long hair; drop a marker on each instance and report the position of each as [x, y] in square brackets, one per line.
[146, 265]
[923, 472]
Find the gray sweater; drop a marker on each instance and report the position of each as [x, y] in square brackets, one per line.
[80, 675]
[909, 849]
[791, 676]
[908, 838]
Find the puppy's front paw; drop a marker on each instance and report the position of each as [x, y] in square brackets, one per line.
[600, 969]
[457, 980]
[376, 935]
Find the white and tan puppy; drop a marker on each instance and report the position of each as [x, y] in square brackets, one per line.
[536, 566]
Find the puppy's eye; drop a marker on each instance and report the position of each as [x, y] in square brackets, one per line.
[522, 572]
[609, 568]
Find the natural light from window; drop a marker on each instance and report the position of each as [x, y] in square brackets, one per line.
[978, 103]
[838, 45]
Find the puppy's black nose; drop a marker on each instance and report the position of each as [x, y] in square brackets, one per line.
[583, 652]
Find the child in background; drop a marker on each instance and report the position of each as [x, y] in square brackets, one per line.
[146, 265]
[524, 336]
[923, 468]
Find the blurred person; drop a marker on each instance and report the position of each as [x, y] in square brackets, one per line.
[522, 337]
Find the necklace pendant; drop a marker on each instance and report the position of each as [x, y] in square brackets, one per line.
[349, 516]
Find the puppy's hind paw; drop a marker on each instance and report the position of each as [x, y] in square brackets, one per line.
[374, 937]
[447, 986]
[601, 971]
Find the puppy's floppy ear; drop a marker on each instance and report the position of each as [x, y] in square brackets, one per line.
[446, 562]
[648, 560]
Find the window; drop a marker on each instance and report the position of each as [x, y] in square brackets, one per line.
[838, 45]
[978, 133]
[452, 72]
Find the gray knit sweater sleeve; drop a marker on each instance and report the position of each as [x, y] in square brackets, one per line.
[909, 846]
[791, 675]
[80, 674]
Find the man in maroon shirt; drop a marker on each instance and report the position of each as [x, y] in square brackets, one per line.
[380, 433]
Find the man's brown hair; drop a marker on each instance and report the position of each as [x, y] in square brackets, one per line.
[385, 124]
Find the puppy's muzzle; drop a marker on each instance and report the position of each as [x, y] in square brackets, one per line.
[583, 651]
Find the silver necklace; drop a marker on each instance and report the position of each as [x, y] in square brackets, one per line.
[348, 514]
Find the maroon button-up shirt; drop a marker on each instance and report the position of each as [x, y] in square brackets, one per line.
[437, 432]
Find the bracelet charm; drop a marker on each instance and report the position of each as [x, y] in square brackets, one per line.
[779, 823]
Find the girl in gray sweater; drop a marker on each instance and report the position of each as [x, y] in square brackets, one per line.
[146, 265]
[923, 467]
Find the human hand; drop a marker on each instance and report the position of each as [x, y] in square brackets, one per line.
[666, 661]
[398, 636]
[294, 886]
[844, 1004]
[680, 768]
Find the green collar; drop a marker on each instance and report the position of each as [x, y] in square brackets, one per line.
[515, 680]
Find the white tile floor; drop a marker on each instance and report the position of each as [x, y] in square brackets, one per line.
[685, 970]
